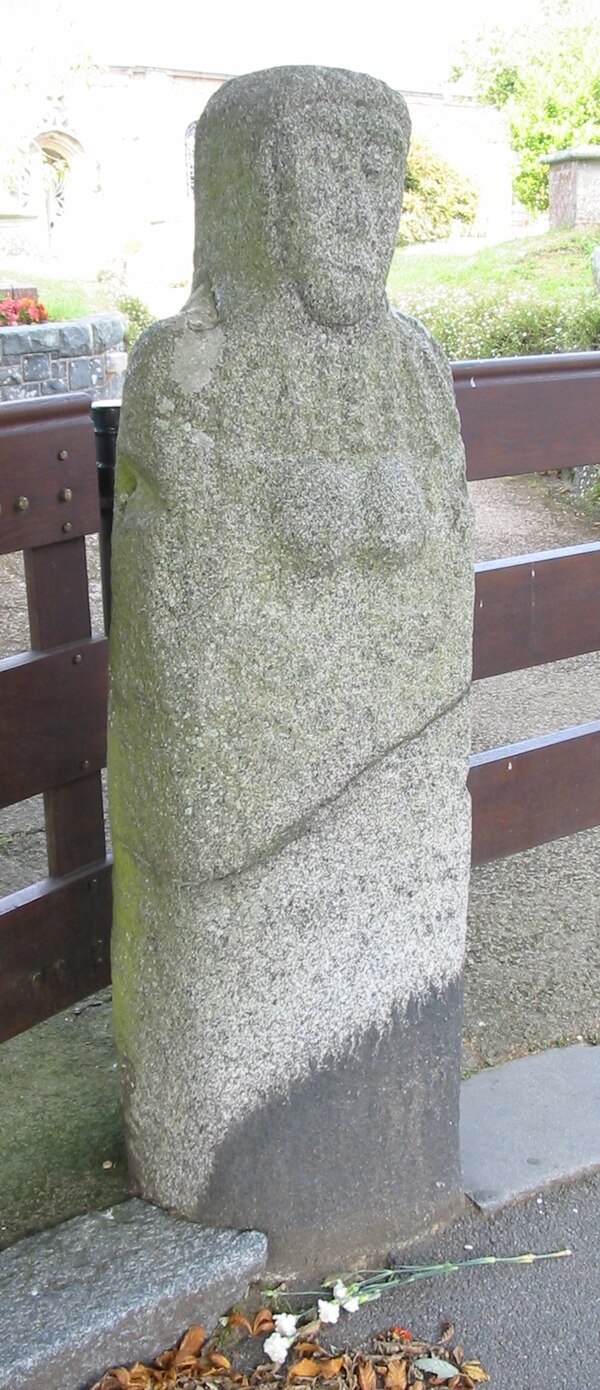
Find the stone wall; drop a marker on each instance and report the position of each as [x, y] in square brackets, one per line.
[574, 186]
[41, 359]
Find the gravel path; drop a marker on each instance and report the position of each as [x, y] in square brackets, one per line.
[533, 951]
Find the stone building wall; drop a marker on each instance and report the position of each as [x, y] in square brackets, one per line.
[42, 359]
[127, 196]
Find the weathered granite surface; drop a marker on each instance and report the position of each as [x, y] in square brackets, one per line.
[112, 1288]
[290, 653]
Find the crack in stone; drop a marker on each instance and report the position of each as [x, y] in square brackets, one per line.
[303, 825]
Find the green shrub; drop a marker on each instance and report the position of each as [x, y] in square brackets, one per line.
[507, 324]
[435, 196]
[137, 315]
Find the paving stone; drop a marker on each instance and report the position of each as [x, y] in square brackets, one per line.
[530, 1122]
[105, 1289]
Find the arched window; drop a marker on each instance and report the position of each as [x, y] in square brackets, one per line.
[190, 141]
[58, 152]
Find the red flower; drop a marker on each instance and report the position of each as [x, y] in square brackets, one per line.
[24, 310]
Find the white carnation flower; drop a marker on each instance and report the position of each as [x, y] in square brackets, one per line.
[285, 1324]
[328, 1312]
[277, 1347]
[345, 1296]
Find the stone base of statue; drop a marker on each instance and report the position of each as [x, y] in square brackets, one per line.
[289, 734]
[294, 1037]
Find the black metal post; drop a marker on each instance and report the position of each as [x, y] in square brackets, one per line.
[106, 415]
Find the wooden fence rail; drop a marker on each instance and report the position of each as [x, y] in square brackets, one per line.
[518, 416]
[54, 936]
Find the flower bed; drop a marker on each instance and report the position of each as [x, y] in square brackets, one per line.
[22, 308]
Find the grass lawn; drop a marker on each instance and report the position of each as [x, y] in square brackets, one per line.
[545, 264]
[530, 295]
[64, 299]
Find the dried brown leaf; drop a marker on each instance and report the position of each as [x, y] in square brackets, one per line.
[262, 1372]
[447, 1334]
[193, 1340]
[142, 1377]
[166, 1359]
[367, 1379]
[309, 1330]
[309, 1367]
[397, 1373]
[184, 1361]
[237, 1319]
[218, 1361]
[474, 1370]
[263, 1322]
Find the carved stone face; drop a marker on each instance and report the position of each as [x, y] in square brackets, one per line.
[338, 172]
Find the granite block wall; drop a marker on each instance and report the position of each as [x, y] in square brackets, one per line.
[42, 359]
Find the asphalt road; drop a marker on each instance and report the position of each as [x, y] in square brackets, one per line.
[533, 1326]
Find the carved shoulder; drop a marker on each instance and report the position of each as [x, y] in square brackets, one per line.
[430, 361]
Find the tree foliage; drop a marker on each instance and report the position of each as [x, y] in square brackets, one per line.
[435, 196]
[546, 76]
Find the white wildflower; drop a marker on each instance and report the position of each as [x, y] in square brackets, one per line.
[340, 1291]
[351, 1305]
[285, 1324]
[277, 1347]
[328, 1311]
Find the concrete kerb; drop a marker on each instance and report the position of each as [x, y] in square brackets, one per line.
[119, 1285]
[111, 1288]
[530, 1123]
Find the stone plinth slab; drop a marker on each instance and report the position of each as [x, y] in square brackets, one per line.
[113, 1287]
[529, 1123]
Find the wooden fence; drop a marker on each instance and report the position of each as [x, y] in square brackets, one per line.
[518, 416]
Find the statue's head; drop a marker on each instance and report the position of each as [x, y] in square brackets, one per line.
[299, 178]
